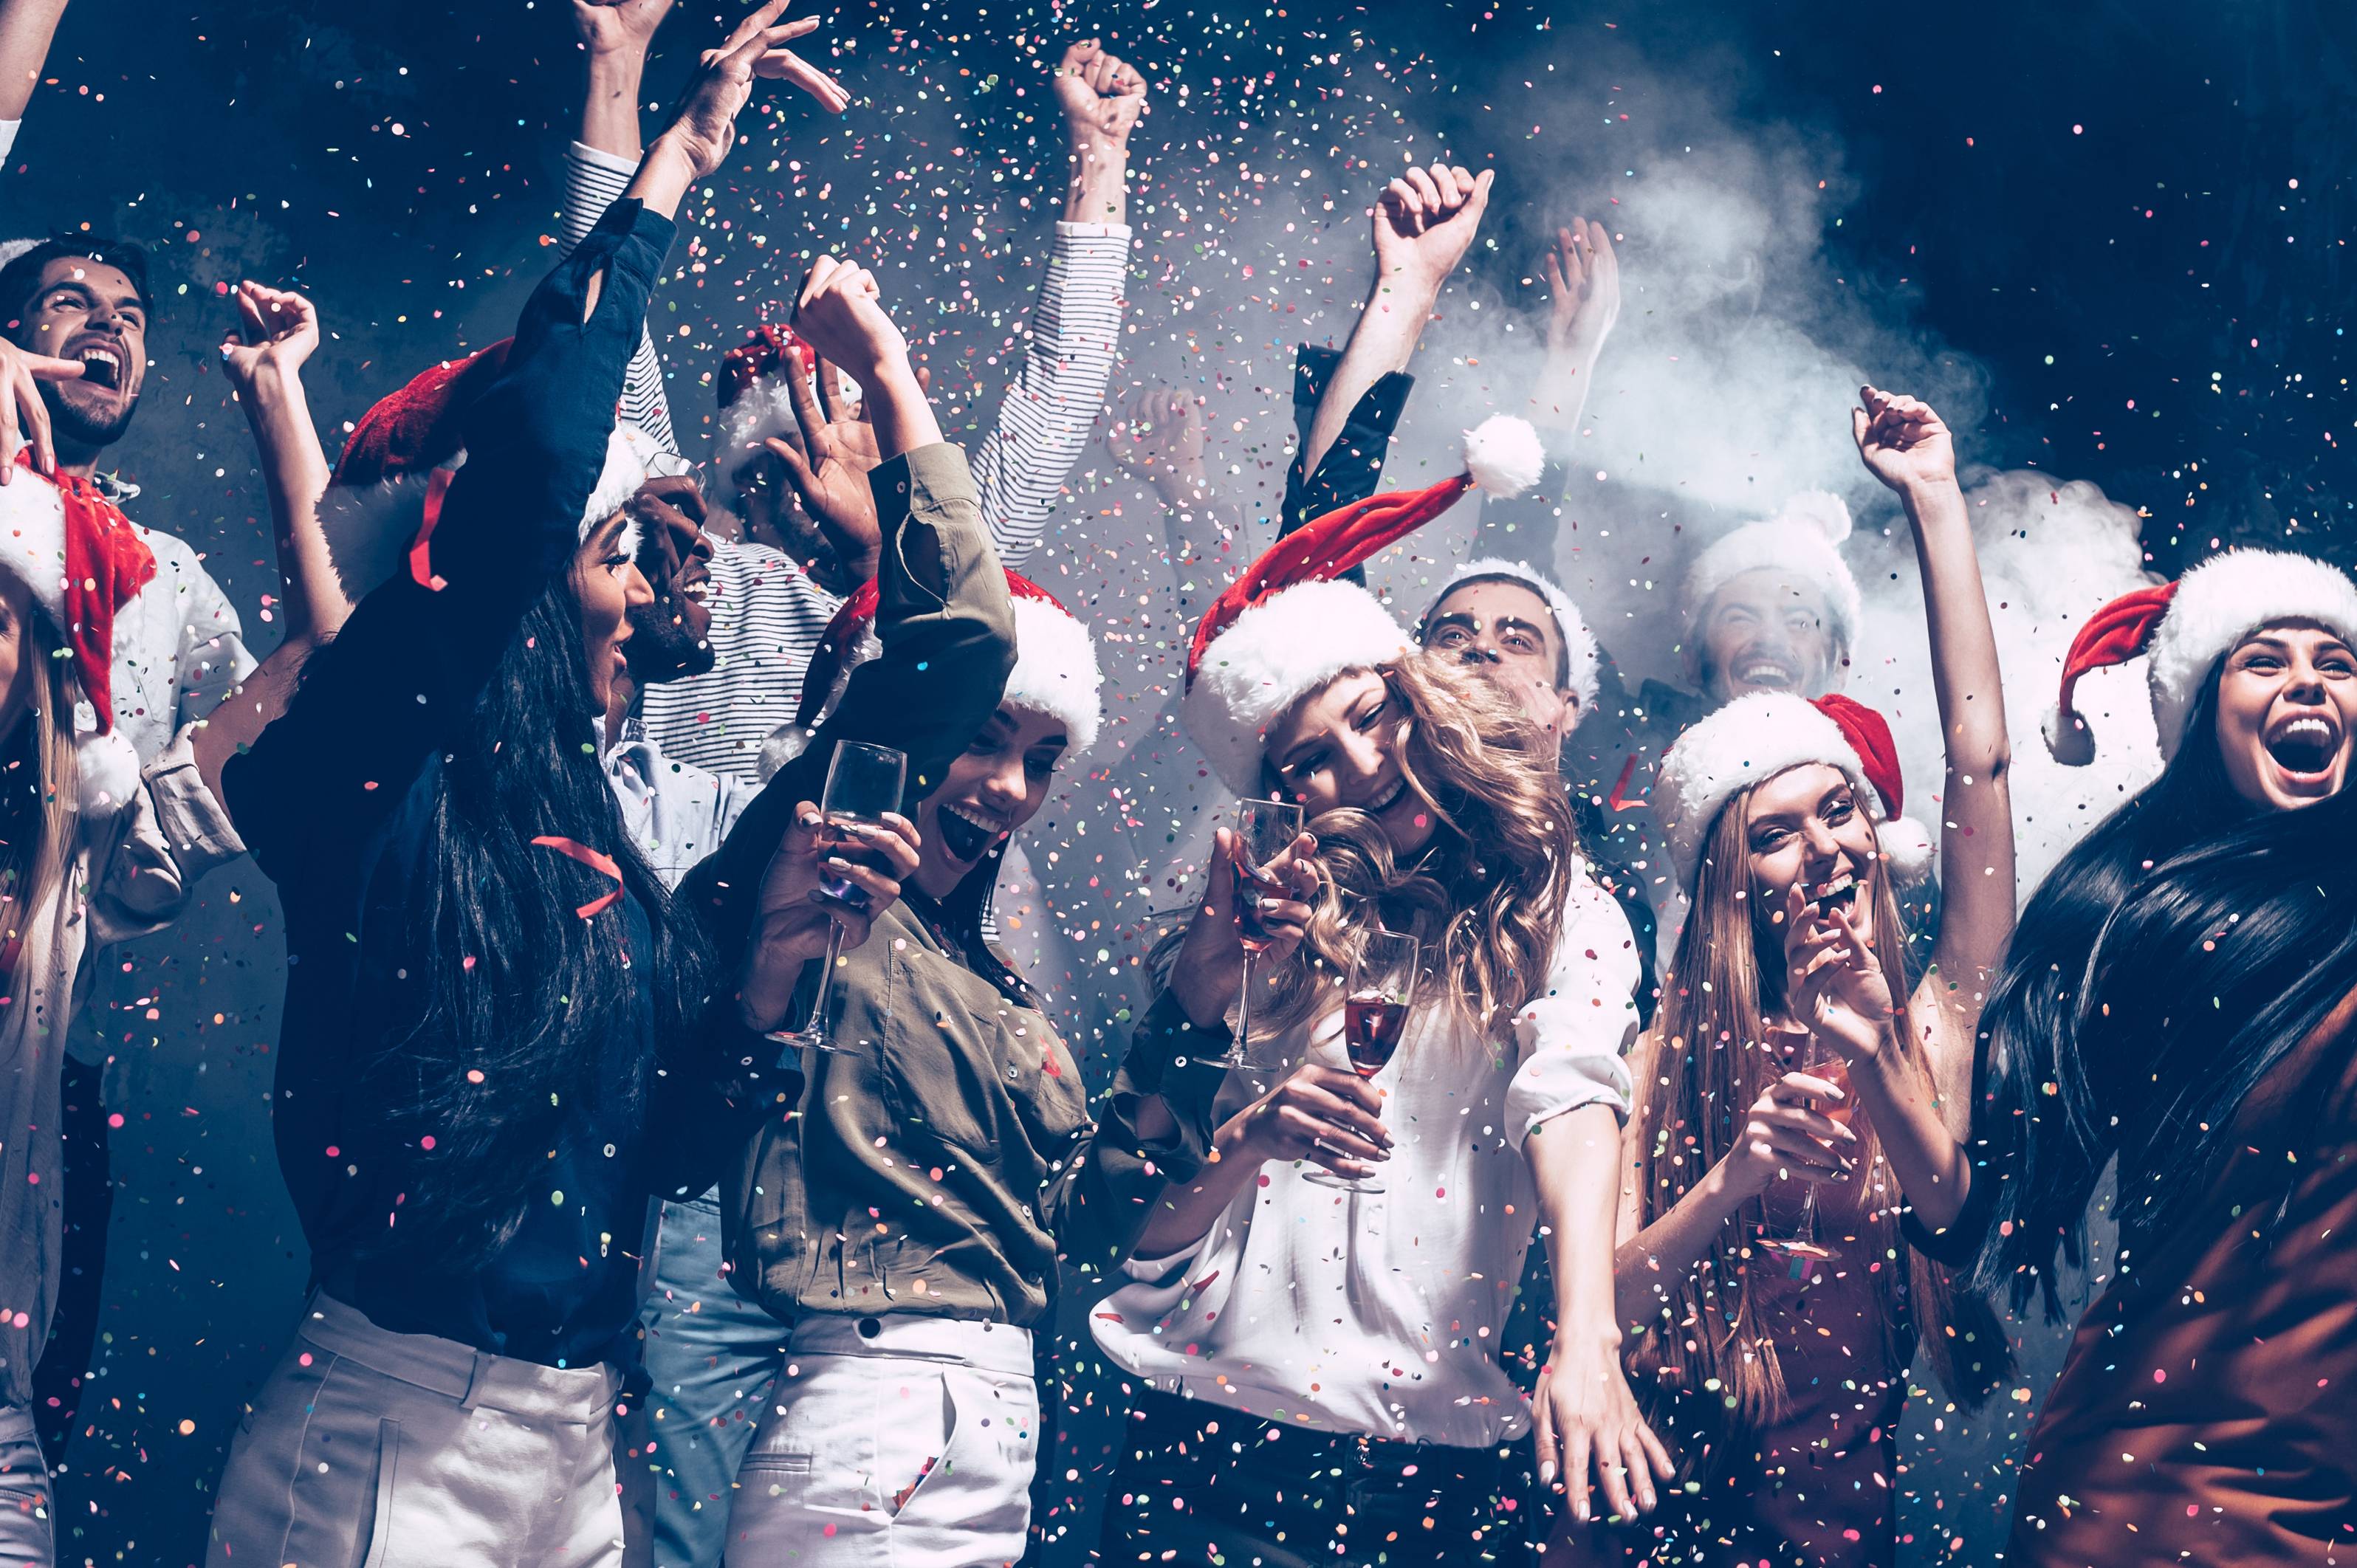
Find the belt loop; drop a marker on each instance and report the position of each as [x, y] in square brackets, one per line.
[476, 1381]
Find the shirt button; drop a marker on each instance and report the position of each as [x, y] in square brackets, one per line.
[869, 1329]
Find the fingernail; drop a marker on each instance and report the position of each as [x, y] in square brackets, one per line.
[1546, 1473]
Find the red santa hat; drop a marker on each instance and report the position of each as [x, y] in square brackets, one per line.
[1754, 738]
[2186, 627]
[1804, 539]
[1287, 627]
[83, 561]
[1580, 657]
[384, 484]
[755, 393]
[1055, 672]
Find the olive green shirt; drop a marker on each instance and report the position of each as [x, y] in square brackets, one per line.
[949, 1160]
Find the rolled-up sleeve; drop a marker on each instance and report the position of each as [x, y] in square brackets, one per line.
[1572, 1041]
[173, 832]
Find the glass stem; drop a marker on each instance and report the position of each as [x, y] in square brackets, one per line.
[814, 1028]
[1243, 1011]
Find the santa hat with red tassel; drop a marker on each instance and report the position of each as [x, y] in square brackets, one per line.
[1754, 738]
[756, 395]
[1286, 627]
[384, 485]
[1055, 672]
[2184, 628]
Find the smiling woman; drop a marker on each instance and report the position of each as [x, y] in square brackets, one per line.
[2180, 997]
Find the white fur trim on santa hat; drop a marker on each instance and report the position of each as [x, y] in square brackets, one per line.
[2223, 600]
[1275, 654]
[1056, 672]
[632, 457]
[1748, 742]
[1804, 538]
[1579, 650]
[1504, 456]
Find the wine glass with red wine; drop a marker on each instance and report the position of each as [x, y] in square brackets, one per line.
[1374, 1017]
[1265, 829]
[862, 782]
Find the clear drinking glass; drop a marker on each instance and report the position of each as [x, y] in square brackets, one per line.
[862, 782]
[1818, 1059]
[1374, 1017]
[1265, 829]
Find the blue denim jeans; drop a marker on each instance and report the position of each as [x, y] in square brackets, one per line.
[711, 1358]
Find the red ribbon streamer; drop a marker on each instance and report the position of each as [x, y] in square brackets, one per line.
[421, 557]
[1619, 800]
[596, 861]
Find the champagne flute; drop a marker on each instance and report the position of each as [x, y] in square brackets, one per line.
[862, 782]
[1265, 829]
[1822, 1059]
[1374, 1018]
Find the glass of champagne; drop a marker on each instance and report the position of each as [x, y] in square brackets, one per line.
[1374, 1017]
[1265, 829]
[1820, 1059]
[862, 782]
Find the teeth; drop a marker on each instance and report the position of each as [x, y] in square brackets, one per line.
[971, 820]
[1399, 787]
[2304, 727]
[103, 356]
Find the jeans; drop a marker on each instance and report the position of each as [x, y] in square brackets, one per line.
[711, 1358]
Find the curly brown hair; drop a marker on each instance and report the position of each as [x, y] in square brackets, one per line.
[1486, 895]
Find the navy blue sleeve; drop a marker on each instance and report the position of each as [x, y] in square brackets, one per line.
[405, 671]
[1353, 465]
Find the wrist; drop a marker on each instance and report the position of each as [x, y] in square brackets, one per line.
[1189, 484]
[1574, 1336]
[618, 59]
[1728, 1189]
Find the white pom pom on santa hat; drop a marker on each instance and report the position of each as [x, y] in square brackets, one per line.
[1503, 456]
[106, 772]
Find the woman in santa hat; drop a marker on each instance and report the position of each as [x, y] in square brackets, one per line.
[908, 1224]
[94, 849]
[1762, 1253]
[1322, 1366]
[500, 1036]
[2182, 997]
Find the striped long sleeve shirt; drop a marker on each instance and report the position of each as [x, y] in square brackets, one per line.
[767, 614]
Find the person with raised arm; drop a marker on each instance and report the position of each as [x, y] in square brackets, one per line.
[791, 454]
[906, 1221]
[500, 1035]
[1805, 1093]
[1272, 1323]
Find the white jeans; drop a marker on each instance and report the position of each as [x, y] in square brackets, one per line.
[367, 1449]
[892, 1442]
[28, 1506]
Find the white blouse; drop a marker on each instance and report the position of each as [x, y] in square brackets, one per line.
[1381, 1313]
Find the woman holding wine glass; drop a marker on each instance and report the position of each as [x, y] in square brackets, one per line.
[1801, 1094]
[909, 1220]
[1321, 1361]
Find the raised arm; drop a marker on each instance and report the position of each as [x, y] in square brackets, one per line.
[1906, 447]
[26, 28]
[1423, 223]
[1074, 335]
[263, 359]
[1583, 279]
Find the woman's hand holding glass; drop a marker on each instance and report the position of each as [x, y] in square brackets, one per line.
[797, 913]
[1322, 1115]
[1210, 968]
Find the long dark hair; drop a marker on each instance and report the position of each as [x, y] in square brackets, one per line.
[2176, 954]
[509, 1004]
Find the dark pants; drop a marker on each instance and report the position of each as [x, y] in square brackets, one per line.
[1213, 1486]
[90, 1200]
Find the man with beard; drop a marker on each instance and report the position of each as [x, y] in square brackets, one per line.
[86, 302]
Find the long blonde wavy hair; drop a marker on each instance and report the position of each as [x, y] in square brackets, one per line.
[1485, 896]
[1713, 1060]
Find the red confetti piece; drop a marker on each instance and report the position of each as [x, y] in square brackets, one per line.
[596, 861]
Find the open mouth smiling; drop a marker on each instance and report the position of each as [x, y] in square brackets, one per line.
[1384, 800]
[1768, 674]
[2304, 747]
[1829, 898]
[967, 833]
[100, 365]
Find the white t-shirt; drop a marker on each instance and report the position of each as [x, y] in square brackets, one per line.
[1381, 1313]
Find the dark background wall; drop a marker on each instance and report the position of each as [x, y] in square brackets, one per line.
[2130, 222]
